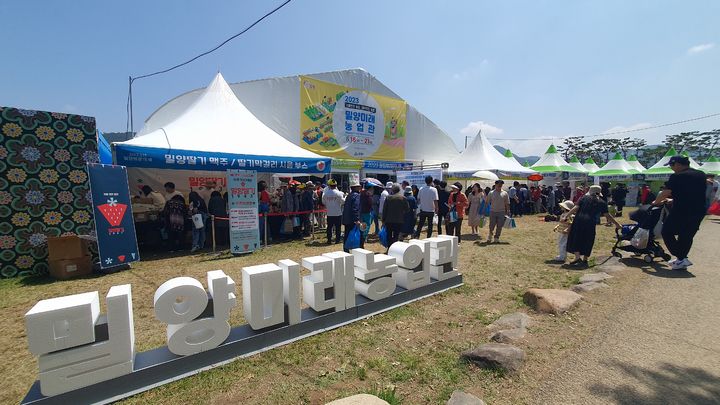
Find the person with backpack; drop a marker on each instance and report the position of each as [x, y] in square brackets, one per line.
[174, 215]
[198, 207]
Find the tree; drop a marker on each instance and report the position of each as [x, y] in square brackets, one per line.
[684, 141]
[604, 147]
[710, 141]
[570, 147]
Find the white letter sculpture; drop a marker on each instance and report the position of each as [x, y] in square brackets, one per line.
[263, 295]
[373, 274]
[443, 254]
[413, 260]
[61, 331]
[180, 302]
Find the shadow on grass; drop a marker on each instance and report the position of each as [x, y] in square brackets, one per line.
[656, 269]
[665, 384]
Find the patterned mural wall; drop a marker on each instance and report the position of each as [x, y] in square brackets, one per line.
[44, 189]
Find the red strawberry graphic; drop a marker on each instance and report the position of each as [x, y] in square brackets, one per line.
[121, 258]
[245, 246]
[113, 212]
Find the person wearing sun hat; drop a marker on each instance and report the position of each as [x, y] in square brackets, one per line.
[581, 237]
[333, 200]
[686, 187]
[563, 228]
[456, 202]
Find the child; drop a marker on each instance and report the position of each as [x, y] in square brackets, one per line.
[563, 228]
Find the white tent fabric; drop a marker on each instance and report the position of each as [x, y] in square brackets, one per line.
[481, 155]
[712, 165]
[276, 103]
[217, 122]
[590, 165]
[551, 161]
[616, 167]
[485, 175]
[633, 162]
[693, 163]
[575, 162]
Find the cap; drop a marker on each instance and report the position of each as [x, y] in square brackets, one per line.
[310, 183]
[408, 190]
[595, 189]
[332, 182]
[301, 186]
[678, 159]
[389, 184]
[354, 183]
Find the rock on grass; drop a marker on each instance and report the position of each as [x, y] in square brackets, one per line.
[513, 321]
[551, 301]
[463, 398]
[509, 335]
[359, 399]
[496, 356]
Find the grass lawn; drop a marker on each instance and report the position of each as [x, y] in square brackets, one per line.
[408, 355]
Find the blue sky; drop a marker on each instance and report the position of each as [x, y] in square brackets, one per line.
[518, 69]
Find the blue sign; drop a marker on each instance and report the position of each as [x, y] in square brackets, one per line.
[243, 202]
[161, 158]
[114, 225]
[386, 165]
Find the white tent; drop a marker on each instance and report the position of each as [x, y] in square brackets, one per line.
[508, 154]
[659, 171]
[481, 155]
[216, 132]
[617, 169]
[693, 163]
[590, 165]
[712, 166]
[552, 162]
[276, 103]
[575, 162]
[635, 164]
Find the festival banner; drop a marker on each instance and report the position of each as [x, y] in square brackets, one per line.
[348, 123]
[243, 201]
[417, 177]
[116, 239]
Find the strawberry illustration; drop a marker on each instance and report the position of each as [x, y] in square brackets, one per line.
[112, 211]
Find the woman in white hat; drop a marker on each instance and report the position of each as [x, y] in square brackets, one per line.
[582, 233]
[563, 228]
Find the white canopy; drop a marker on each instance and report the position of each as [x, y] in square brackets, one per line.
[575, 162]
[276, 103]
[633, 162]
[693, 163]
[216, 128]
[552, 162]
[481, 155]
[712, 165]
[617, 167]
[590, 165]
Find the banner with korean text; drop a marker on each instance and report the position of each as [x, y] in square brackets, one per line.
[116, 239]
[243, 202]
[417, 177]
[348, 123]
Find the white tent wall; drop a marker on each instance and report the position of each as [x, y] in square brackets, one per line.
[276, 102]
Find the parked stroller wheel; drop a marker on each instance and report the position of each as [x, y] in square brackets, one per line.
[648, 259]
[617, 254]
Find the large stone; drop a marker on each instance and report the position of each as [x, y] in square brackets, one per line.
[513, 321]
[595, 277]
[585, 287]
[496, 356]
[551, 301]
[463, 398]
[509, 335]
[359, 399]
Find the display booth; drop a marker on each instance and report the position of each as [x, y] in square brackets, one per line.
[555, 169]
[618, 170]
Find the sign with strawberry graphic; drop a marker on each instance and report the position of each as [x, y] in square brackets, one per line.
[244, 223]
[114, 225]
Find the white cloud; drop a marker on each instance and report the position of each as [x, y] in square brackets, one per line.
[471, 73]
[700, 48]
[488, 130]
[620, 128]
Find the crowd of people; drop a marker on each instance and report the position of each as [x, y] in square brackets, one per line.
[296, 209]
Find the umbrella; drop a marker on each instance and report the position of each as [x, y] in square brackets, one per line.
[373, 181]
[535, 177]
[294, 182]
[485, 175]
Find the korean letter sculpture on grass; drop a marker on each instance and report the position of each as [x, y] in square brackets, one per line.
[78, 347]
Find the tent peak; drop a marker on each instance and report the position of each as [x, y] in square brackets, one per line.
[617, 156]
[574, 159]
[508, 153]
[590, 160]
[671, 152]
[632, 158]
[551, 149]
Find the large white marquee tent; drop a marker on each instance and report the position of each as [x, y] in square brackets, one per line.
[481, 155]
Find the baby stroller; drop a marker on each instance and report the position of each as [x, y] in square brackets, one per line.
[648, 218]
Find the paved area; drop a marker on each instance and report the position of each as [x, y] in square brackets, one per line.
[661, 347]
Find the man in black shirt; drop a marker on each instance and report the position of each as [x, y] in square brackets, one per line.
[686, 188]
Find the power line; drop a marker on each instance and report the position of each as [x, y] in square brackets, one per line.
[132, 79]
[610, 133]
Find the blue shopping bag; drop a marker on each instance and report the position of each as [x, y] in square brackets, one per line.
[383, 236]
[353, 240]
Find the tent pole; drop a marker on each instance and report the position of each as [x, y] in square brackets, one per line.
[265, 229]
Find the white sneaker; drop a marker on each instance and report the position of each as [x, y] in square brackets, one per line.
[681, 264]
[673, 261]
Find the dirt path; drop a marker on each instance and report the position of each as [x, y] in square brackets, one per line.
[660, 346]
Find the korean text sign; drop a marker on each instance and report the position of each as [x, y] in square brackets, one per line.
[349, 123]
[243, 201]
[114, 225]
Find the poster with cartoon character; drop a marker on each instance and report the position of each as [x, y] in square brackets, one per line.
[350, 123]
[116, 239]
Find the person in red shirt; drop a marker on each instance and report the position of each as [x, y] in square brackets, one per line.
[457, 202]
[263, 206]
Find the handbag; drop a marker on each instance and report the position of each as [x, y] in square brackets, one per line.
[640, 239]
[198, 221]
[353, 239]
[714, 208]
[287, 227]
[383, 236]
[296, 221]
[482, 222]
[452, 216]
